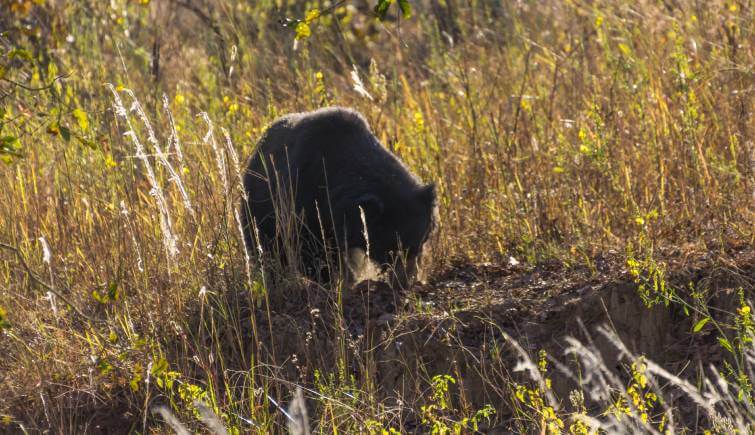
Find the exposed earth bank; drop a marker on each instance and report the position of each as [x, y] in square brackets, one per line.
[456, 324]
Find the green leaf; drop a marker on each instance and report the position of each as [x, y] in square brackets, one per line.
[19, 53]
[9, 146]
[406, 8]
[112, 292]
[381, 8]
[104, 366]
[135, 382]
[699, 325]
[65, 133]
[159, 366]
[8, 141]
[725, 343]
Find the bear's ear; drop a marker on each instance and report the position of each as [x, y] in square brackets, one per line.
[371, 204]
[427, 195]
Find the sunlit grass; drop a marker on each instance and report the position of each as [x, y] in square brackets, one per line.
[554, 132]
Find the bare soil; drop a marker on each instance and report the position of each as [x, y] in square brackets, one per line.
[454, 323]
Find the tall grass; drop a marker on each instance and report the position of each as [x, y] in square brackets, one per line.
[553, 131]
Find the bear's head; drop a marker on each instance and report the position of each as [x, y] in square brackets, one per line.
[398, 225]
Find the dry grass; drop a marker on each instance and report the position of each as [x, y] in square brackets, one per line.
[553, 131]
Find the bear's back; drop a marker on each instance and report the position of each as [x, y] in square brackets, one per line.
[289, 130]
[341, 138]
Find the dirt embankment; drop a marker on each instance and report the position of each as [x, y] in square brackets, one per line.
[455, 325]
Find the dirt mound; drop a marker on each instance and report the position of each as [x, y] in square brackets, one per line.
[455, 325]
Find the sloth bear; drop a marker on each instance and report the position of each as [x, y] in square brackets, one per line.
[317, 180]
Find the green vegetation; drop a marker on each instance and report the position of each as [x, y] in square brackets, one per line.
[555, 131]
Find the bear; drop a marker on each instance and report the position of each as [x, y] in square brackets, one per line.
[320, 183]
